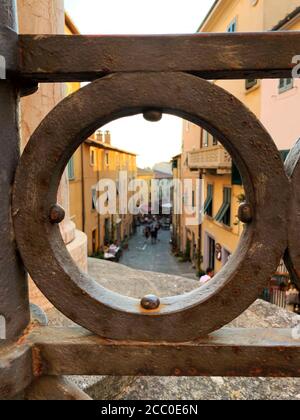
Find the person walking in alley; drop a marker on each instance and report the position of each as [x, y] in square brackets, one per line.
[154, 233]
[292, 298]
[147, 233]
[207, 277]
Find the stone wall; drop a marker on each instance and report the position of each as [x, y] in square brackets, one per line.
[47, 17]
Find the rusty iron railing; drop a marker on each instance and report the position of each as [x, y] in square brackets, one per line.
[181, 335]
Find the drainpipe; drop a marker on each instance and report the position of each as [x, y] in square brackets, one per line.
[82, 188]
[199, 262]
[98, 214]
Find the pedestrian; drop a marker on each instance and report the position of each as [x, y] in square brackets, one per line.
[292, 298]
[153, 232]
[147, 233]
[207, 277]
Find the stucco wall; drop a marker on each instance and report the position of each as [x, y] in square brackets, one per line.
[47, 17]
[280, 111]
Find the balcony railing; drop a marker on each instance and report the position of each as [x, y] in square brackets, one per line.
[215, 157]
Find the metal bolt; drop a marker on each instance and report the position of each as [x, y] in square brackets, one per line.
[57, 214]
[153, 115]
[245, 213]
[150, 302]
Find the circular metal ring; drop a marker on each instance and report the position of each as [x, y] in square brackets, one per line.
[292, 256]
[179, 318]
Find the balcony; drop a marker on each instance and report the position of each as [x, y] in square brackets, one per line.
[215, 157]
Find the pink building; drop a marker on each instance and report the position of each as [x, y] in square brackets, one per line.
[280, 99]
[280, 111]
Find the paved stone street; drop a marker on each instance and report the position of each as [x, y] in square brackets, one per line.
[142, 255]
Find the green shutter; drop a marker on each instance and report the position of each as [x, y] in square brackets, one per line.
[250, 83]
[221, 213]
[209, 198]
[236, 178]
[284, 154]
[225, 206]
[285, 84]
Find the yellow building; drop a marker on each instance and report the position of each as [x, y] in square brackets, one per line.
[189, 234]
[204, 157]
[177, 225]
[100, 160]
[94, 160]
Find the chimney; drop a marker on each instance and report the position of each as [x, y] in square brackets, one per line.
[99, 136]
[107, 138]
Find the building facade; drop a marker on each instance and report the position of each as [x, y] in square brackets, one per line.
[94, 161]
[203, 156]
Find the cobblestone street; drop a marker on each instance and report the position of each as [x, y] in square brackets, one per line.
[142, 255]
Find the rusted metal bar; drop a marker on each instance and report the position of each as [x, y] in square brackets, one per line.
[14, 305]
[50, 388]
[210, 56]
[227, 352]
[53, 351]
[179, 318]
[15, 369]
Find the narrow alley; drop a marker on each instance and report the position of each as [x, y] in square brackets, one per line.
[142, 255]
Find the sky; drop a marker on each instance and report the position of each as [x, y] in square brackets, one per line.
[153, 142]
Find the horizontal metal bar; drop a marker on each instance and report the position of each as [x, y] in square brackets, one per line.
[60, 58]
[233, 352]
[227, 352]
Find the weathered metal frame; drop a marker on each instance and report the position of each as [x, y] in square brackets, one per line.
[14, 304]
[35, 352]
[52, 351]
[106, 313]
[209, 56]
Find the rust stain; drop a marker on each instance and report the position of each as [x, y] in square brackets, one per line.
[150, 311]
[26, 333]
[37, 364]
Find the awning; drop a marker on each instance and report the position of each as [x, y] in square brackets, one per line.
[221, 213]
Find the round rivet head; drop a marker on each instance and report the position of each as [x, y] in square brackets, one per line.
[153, 115]
[245, 213]
[150, 302]
[57, 214]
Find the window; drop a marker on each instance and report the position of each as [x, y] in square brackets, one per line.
[205, 139]
[284, 154]
[211, 252]
[224, 214]
[94, 198]
[106, 158]
[215, 141]
[236, 178]
[92, 157]
[250, 83]
[94, 241]
[193, 199]
[285, 84]
[71, 169]
[233, 26]
[208, 205]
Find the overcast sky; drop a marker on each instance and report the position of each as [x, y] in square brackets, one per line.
[152, 142]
